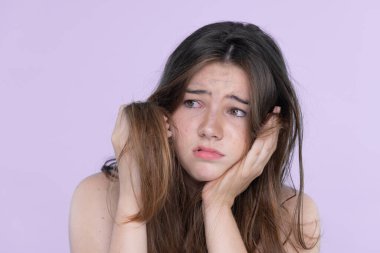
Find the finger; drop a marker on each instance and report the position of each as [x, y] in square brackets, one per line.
[277, 109]
[118, 117]
[263, 147]
[261, 150]
[270, 140]
[120, 125]
[120, 114]
[269, 145]
[273, 138]
[270, 126]
[261, 140]
[252, 155]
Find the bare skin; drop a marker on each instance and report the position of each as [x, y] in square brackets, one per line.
[91, 223]
[90, 232]
[92, 229]
[209, 118]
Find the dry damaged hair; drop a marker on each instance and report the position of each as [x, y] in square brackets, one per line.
[171, 206]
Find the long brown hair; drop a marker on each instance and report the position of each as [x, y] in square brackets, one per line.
[171, 206]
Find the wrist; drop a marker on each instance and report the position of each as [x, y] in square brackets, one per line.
[215, 208]
[214, 204]
[127, 206]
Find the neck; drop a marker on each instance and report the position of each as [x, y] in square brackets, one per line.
[193, 186]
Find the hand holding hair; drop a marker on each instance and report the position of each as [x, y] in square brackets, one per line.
[141, 132]
[157, 210]
[128, 172]
[223, 190]
[128, 234]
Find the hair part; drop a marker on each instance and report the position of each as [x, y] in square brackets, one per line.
[173, 210]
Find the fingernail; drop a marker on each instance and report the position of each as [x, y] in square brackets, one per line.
[277, 109]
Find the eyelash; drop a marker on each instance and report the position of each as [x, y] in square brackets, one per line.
[231, 111]
[237, 109]
[186, 103]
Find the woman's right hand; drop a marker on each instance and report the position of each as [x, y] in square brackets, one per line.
[128, 171]
[130, 201]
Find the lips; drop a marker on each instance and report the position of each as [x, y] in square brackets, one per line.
[207, 153]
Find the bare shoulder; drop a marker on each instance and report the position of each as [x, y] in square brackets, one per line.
[91, 221]
[310, 219]
[309, 207]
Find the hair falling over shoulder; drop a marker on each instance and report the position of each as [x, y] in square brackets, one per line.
[170, 206]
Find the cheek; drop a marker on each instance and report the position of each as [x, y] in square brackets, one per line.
[181, 132]
[182, 137]
[239, 134]
[185, 125]
[239, 142]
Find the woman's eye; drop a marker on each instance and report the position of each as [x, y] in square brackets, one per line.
[237, 112]
[192, 103]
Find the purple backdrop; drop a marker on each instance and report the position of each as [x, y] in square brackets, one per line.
[65, 67]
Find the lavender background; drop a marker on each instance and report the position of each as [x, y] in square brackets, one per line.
[66, 67]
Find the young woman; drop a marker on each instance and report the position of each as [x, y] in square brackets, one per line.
[201, 165]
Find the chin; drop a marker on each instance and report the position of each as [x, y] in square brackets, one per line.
[204, 173]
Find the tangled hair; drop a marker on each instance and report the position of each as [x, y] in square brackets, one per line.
[170, 206]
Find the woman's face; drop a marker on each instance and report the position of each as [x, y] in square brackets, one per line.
[212, 121]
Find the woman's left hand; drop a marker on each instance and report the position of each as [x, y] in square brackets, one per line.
[223, 190]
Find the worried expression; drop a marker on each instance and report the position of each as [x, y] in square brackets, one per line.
[212, 121]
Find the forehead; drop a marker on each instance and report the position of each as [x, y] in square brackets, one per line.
[219, 76]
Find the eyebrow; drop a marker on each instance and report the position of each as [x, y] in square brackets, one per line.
[234, 97]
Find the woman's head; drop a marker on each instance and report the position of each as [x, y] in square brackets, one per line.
[218, 87]
[211, 123]
[245, 51]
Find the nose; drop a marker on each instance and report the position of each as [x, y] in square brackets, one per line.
[211, 126]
